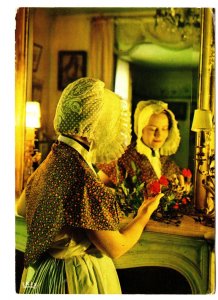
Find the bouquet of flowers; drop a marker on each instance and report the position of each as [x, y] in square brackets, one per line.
[176, 202]
[177, 199]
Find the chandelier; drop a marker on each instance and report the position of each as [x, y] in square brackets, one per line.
[176, 27]
[172, 28]
[180, 17]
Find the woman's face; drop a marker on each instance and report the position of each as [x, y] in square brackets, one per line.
[155, 133]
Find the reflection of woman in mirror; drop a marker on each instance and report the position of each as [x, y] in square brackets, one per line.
[158, 137]
[72, 218]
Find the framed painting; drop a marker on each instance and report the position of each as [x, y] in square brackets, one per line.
[71, 66]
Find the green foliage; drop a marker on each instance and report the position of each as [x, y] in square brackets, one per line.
[130, 192]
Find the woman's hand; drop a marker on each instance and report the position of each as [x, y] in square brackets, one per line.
[183, 184]
[116, 243]
[149, 205]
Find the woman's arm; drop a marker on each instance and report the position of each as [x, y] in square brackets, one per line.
[104, 178]
[116, 243]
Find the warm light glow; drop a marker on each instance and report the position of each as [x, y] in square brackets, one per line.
[33, 114]
[122, 80]
[202, 120]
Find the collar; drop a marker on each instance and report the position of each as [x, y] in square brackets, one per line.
[77, 146]
[145, 150]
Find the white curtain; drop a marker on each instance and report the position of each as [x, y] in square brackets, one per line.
[123, 82]
[102, 50]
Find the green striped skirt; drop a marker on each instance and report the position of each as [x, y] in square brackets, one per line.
[83, 274]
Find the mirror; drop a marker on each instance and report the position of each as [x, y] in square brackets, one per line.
[163, 51]
[165, 69]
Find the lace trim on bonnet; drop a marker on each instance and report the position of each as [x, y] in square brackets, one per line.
[89, 110]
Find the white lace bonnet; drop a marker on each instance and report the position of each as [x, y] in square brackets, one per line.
[86, 108]
[143, 112]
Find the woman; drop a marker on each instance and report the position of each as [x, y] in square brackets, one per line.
[158, 137]
[72, 218]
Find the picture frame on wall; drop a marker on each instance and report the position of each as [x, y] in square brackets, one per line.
[71, 66]
[37, 52]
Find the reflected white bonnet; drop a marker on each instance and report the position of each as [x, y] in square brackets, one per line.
[143, 112]
[86, 108]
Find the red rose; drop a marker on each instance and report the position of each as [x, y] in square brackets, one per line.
[163, 180]
[184, 201]
[187, 173]
[154, 187]
[176, 206]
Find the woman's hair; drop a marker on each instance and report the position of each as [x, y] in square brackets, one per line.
[143, 112]
[169, 119]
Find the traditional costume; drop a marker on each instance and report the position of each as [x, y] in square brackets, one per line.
[64, 197]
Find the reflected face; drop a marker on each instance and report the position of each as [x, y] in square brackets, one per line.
[155, 133]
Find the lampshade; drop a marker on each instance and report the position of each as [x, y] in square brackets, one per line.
[33, 114]
[202, 120]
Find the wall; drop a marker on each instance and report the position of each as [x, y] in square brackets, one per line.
[55, 33]
[67, 33]
[41, 36]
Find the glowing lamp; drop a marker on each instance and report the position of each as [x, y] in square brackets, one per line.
[202, 120]
[33, 114]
